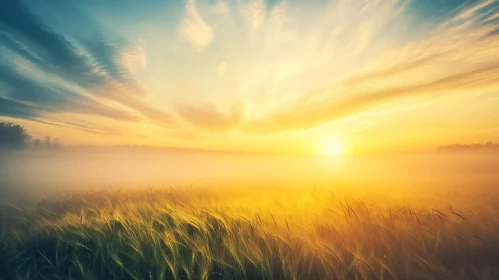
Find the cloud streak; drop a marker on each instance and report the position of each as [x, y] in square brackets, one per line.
[89, 73]
[209, 117]
[260, 67]
[450, 61]
[194, 28]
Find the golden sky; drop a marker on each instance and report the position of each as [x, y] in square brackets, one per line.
[276, 76]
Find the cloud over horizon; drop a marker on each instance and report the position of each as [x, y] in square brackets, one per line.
[56, 74]
[254, 67]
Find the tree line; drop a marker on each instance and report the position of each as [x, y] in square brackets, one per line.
[470, 147]
[15, 136]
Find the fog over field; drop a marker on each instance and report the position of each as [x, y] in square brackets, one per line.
[42, 172]
[178, 214]
[249, 139]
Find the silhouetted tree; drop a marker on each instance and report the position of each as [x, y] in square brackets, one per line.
[36, 143]
[48, 143]
[13, 136]
[470, 147]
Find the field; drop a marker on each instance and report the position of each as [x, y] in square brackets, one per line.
[336, 232]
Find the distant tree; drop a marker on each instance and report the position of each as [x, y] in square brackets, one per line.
[36, 143]
[56, 144]
[13, 136]
[47, 142]
[470, 147]
[50, 143]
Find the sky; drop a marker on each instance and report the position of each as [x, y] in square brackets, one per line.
[253, 75]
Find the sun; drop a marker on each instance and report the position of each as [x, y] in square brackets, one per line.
[333, 148]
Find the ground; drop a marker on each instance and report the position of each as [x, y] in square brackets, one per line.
[324, 232]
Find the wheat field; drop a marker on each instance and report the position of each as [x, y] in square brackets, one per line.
[254, 233]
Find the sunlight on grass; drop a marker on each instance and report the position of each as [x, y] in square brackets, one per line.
[252, 233]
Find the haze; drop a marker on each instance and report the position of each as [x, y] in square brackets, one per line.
[36, 173]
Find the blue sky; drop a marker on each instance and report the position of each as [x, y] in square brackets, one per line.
[249, 73]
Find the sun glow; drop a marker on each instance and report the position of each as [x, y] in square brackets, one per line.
[333, 148]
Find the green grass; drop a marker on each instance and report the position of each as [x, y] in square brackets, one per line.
[248, 233]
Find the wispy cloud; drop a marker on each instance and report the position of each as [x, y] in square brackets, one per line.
[15, 109]
[80, 76]
[254, 12]
[208, 116]
[194, 28]
[449, 61]
[253, 66]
